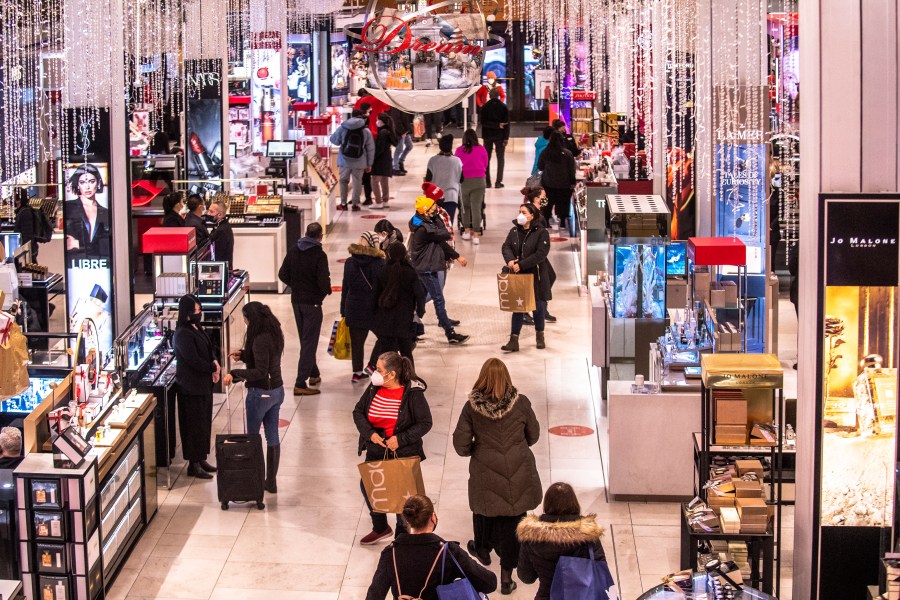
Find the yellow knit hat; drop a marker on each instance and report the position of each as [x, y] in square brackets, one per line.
[423, 203]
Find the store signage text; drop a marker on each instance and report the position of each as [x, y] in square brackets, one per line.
[90, 263]
[203, 80]
[744, 135]
[856, 242]
[377, 36]
[265, 40]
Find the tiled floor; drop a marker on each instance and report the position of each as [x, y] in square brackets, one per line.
[305, 544]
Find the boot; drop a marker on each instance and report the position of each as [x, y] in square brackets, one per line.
[512, 345]
[195, 470]
[507, 585]
[540, 340]
[273, 455]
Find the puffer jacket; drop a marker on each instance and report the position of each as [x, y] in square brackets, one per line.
[361, 273]
[413, 422]
[497, 435]
[429, 248]
[532, 247]
[546, 538]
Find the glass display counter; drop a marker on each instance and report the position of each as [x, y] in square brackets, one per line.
[662, 592]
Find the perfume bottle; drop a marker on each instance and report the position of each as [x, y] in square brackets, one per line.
[47, 592]
[92, 307]
[875, 392]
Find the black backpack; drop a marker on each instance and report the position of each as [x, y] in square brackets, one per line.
[354, 145]
[43, 229]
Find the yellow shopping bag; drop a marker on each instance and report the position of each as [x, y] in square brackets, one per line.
[342, 341]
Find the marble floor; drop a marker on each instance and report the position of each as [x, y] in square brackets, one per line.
[305, 544]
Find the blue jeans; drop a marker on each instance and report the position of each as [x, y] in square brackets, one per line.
[262, 409]
[432, 283]
[518, 319]
[404, 147]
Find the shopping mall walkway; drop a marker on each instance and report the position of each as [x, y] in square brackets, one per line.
[306, 543]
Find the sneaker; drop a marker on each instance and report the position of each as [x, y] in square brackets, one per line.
[306, 391]
[361, 376]
[369, 369]
[467, 236]
[342, 207]
[397, 173]
[456, 338]
[499, 185]
[476, 240]
[488, 184]
[356, 208]
[367, 202]
[428, 143]
[454, 322]
[315, 380]
[375, 206]
[549, 318]
[385, 206]
[373, 537]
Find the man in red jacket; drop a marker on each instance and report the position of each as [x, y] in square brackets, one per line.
[377, 106]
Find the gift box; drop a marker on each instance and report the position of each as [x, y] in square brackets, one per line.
[747, 489]
[752, 510]
[731, 411]
[733, 435]
[169, 240]
[749, 466]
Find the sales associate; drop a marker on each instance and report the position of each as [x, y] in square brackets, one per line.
[194, 218]
[87, 222]
[221, 236]
[10, 447]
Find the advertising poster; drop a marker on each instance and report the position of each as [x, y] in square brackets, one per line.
[741, 199]
[861, 317]
[265, 88]
[88, 249]
[203, 123]
[299, 71]
[544, 85]
[340, 69]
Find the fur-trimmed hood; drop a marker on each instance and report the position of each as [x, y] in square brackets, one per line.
[360, 250]
[583, 530]
[491, 408]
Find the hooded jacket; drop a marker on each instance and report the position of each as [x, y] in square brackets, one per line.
[539, 146]
[361, 273]
[337, 138]
[531, 246]
[557, 172]
[305, 271]
[413, 422]
[429, 248]
[395, 319]
[494, 113]
[546, 538]
[497, 435]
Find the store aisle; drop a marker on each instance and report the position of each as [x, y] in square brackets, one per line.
[305, 544]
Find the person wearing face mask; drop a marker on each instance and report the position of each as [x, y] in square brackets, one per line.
[382, 164]
[392, 415]
[172, 207]
[409, 565]
[387, 234]
[484, 92]
[194, 218]
[525, 251]
[196, 372]
[538, 197]
[358, 300]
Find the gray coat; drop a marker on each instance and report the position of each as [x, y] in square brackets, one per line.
[497, 435]
[337, 138]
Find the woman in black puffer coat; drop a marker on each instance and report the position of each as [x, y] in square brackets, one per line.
[525, 251]
[560, 531]
[358, 301]
[497, 428]
[400, 295]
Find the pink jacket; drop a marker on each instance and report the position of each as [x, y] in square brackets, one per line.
[474, 163]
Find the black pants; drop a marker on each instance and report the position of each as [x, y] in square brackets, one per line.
[558, 200]
[380, 520]
[500, 146]
[498, 534]
[433, 125]
[367, 186]
[404, 346]
[358, 337]
[309, 326]
[195, 425]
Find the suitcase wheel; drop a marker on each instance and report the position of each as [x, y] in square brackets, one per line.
[260, 505]
[224, 506]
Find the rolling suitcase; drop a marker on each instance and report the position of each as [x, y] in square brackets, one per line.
[241, 466]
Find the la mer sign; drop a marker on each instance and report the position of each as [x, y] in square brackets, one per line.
[377, 36]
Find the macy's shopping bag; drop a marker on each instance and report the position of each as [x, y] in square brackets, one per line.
[516, 291]
[391, 481]
[582, 579]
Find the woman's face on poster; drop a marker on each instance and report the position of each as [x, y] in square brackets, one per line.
[87, 186]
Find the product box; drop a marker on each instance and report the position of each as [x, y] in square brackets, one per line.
[752, 509]
[730, 519]
[701, 285]
[730, 289]
[731, 435]
[731, 411]
[716, 502]
[717, 297]
[169, 240]
[747, 489]
[749, 466]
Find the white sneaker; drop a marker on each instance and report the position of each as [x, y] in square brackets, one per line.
[476, 240]
[375, 206]
[466, 236]
[385, 206]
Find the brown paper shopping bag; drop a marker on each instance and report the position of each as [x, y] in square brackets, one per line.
[516, 292]
[390, 482]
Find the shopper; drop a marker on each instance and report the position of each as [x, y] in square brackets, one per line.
[429, 252]
[392, 415]
[375, 108]
[497, 428]
[357, 150]
[569, 142]
[196, 372]
[445, 171]
[305, 271]
[194, 218]
[358, 300]
[474, 163]
[382, 169]
[557, 167]
[261, 355]
[525, 250]
[495, 133]
[222, 235]
[172, 207]
[400, 295]
[437, 194]
[433, 126]
[540, 145]
[560, 531]
[387, 234]
[10, 448]
[410, 564]
[365, 112]
[537, 197]
[27, 222]
[403, 127]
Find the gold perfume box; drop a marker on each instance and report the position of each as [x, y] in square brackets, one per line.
[741, 371]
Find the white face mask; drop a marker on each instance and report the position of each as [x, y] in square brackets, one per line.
[521, 219]
[491, 81]
[377, 379]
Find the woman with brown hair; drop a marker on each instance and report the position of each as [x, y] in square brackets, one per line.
[496, 429]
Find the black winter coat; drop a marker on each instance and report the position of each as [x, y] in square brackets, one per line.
[197, 222]
[361, 273]
[559, 173]
[222, 236]
[531, 246]
[402, 121]
[305, 271]
[263, 362]
[195, 361]
[546, 538]
[498, 435]
[396, 319]
[415, 554]
[429, 249]
[383, 163]
[493, 113]
[413, 422]
[173, 219]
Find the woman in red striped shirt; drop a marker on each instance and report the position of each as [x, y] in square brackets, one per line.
[392, 415]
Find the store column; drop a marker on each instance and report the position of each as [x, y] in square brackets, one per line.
[268, 72]
[849, 138]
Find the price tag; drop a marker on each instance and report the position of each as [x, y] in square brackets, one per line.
[25, 279]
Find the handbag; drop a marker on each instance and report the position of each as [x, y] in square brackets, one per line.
[341, 349]
[582, 579]
[461, 589]
[400, 594]
[391, 481]
[534, 181]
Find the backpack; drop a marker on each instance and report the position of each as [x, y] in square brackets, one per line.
[354, 145]
[43, 229]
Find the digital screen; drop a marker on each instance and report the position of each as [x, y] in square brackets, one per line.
[299, 68]
[676, 259]
[232, 149]
[533, 101]
[10, 243]
[279, 149]
[340, 66]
